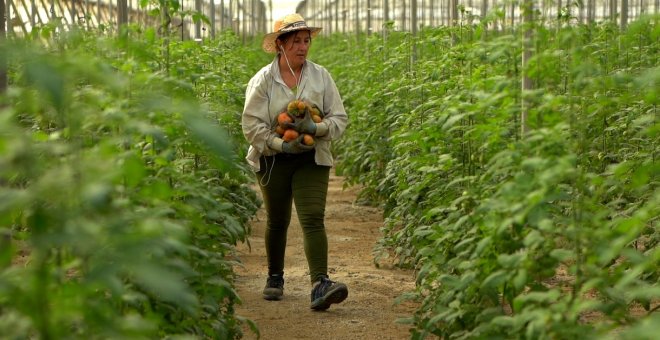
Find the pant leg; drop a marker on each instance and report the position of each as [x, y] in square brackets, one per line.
[310, 189]
[275, 182]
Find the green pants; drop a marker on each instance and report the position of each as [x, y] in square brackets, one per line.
[284, 179]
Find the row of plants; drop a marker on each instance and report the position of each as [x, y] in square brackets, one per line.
[123, 189]
[548, 234]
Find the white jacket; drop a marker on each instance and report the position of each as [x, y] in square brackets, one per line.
[267, 95]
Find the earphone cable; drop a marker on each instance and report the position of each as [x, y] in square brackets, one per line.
[272, 166]
[298, 79]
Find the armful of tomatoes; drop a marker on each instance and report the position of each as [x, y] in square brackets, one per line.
[298, 120]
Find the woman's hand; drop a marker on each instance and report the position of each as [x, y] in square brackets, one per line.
[305, 125]
[296, 146]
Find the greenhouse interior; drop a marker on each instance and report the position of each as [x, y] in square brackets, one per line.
[395, 169]
[253, 17]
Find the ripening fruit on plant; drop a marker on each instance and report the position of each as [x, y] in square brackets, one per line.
[290, 134]
[308, 139]
[280, 130]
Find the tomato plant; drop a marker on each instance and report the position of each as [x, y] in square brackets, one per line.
[512, 236]
[122, 191]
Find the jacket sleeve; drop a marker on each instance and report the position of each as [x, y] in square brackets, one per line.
[256, 122]
[335, 120]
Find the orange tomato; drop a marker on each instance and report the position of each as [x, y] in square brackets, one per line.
[284, 118]
[292, 105]
[308, 139]
[314, 110]
[290, 134]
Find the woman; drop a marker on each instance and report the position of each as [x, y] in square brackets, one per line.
[292, 171]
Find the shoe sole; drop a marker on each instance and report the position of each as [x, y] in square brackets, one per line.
[337, 294]
[272, 294]
[272, 297]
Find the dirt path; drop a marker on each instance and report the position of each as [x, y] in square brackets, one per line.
[369, 311]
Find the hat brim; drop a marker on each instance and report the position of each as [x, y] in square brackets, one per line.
[269, 39]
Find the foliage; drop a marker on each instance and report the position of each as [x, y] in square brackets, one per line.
[122, 192]
[512, 236]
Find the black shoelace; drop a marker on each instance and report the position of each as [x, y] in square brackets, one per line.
[321, 288]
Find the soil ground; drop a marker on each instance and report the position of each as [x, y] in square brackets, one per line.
[369, 312]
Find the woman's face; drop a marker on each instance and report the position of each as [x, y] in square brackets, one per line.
[296, 47]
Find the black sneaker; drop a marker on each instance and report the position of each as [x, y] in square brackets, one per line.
[327, 292]
[274, 287]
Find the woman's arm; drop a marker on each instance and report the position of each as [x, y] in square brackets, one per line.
[256, 121]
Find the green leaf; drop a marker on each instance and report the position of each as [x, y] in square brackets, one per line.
[520, 280]
[536, 298]
[503, 321]
[481, 246]
[450, 281]
[562, 254]
[533, 239]
[213, 137]
[47, 79]
[510, 260]
[7, 249]
[166, 285]
[453, 119]
[645, 328]
[133, 170]
[158, 189]
[495, 279]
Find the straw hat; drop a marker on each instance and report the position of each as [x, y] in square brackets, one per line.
[289, 23]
